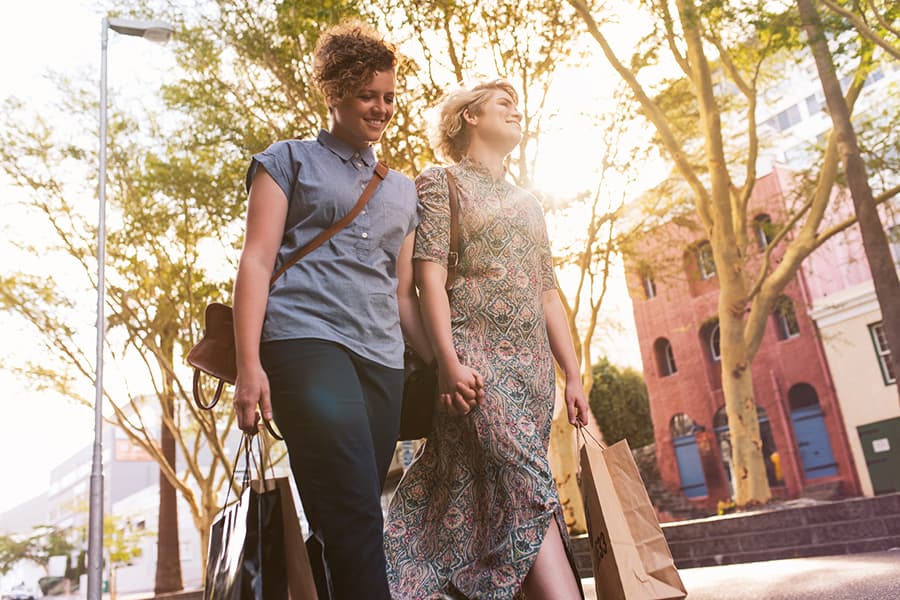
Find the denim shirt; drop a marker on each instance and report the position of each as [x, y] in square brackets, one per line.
[345, 290]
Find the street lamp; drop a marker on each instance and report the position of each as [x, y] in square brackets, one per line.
[155, 31]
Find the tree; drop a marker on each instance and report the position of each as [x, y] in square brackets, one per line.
[43, 542]
[742, 38]
[875, 243]
[122, 542]
[176, 197]
[875, 20]
[527, 43]
[619, 400]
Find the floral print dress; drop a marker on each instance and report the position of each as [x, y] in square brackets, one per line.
[470, 514]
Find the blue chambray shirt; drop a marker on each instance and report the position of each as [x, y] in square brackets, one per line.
[345, 290]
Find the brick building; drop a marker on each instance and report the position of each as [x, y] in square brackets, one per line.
[674, 290]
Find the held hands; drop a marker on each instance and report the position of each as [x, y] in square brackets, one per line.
[251, 389]
[576, 404]
[461, 389]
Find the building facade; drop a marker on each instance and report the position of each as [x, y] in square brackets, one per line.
[848, 317]
[674, 290]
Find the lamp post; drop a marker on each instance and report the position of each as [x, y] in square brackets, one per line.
[155, 31]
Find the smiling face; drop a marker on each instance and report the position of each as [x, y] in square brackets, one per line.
[360, 119]
[498, 122]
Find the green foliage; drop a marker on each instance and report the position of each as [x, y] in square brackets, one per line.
[620, 404]
[122, 540]
[38, 546]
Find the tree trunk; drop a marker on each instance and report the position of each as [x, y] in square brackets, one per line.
[749, 470]
[564, 466]
[875, 243]
[168, 552]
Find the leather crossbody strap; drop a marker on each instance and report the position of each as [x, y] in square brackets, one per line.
[381, 171]
[453, 254]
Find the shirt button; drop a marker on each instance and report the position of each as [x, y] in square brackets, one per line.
[365, 235]
[364, 212]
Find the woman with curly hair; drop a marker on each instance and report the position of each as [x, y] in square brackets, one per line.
[321, 351]
[477, 514]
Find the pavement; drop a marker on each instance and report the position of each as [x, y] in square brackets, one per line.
[869, 576]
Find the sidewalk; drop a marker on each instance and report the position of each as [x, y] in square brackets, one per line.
[871, 576]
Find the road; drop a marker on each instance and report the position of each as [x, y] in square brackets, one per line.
[871, 576]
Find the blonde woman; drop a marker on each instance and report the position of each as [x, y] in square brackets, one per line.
[477, 515]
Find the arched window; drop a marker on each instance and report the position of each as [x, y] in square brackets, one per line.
[709, 335]
[802, 395]
[682, 425]
[665, 357]
[648, 283]
[706, 266]
[786, 319]
[762, 227]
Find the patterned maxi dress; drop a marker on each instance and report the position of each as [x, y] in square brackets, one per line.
[469, 516]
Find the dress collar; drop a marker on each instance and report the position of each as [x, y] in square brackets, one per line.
[477, 167]
[345, 150]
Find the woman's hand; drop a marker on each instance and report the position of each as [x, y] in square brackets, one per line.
[251, 390]
[576, 404]
[460, 388]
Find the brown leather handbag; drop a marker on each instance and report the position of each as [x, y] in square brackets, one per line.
[420, 380]
[214, 354]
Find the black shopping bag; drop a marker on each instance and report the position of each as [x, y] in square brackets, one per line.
[246, 559]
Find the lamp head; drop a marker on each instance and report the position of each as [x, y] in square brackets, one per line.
[154, 31]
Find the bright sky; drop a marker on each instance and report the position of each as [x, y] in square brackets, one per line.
[41, 430]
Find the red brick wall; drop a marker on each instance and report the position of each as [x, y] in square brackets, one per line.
[682, 305]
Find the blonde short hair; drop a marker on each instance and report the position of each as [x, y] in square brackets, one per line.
[346, 58]
[451, 137]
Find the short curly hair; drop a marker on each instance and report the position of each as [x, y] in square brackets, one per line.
[451, 137]
[346, 58]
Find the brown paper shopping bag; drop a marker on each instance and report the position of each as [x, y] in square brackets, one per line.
[301, 585]
[630, 555]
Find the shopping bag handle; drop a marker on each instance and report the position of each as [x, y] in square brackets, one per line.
[583, 431]
[246, 445]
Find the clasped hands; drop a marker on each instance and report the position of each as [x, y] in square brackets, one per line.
[460, 389]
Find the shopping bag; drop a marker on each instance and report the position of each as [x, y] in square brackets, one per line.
[247, 550]
[630, 556]
[300, 581]
[249, 540]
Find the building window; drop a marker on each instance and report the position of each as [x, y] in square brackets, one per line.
[714, 343]
[876, 75]
[682, 425]
[665, 357]
[762, 227]
[705, 264]
[648, 283]
[815, 103]
[786, 319]
[788, 118]
[893, 236]
[883, 352]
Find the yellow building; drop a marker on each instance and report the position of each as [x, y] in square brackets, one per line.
[849, 323]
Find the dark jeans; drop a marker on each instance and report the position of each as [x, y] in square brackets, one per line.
[339, 414]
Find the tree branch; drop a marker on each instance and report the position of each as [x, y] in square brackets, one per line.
[863, 28]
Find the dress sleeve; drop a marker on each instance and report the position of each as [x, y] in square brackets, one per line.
[279, 163]
[433, 231]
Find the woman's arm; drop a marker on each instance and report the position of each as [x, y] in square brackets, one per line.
[408, 302]
[564, 352]
[266, 214]
[461, 387]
